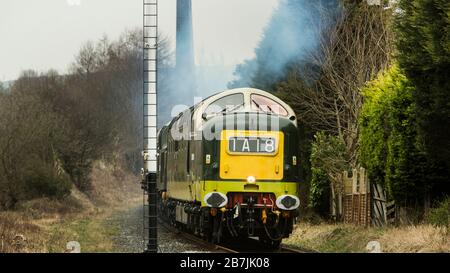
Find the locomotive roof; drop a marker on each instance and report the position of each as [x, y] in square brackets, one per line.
[193, 110]
[243, 90]
[247, 91]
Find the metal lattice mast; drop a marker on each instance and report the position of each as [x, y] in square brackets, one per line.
[150, 118]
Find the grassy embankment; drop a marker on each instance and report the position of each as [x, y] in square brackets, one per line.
[348, 238]
[47, 225]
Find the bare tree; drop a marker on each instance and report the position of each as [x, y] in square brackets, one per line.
[353, 49]
[93, 113]
[355, 44]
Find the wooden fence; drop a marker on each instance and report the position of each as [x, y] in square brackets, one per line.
[357, 198]
[359, 202]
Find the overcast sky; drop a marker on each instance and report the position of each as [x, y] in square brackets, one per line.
[47, 34]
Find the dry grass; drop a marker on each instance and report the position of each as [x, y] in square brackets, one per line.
[45, 207]
[19, 234]
[45, 225]
[348, 238]
[423, 238]
[111, 186]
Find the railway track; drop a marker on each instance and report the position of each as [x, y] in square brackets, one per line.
[243, 246]
[196, 240]
[286, 249]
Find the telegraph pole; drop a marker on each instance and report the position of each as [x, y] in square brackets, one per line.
[150, 36]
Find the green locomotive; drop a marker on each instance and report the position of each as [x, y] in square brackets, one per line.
[228, 167]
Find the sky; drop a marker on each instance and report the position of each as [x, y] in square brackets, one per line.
[47, 34]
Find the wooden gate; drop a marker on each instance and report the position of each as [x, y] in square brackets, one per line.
[379, 205]
[383, 210]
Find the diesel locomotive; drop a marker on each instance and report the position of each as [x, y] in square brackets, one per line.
[228, 167]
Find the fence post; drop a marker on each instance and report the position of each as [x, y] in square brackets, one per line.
[355, 181]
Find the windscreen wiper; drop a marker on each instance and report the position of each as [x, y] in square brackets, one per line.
[225, 110]
[257, 105]
[270, 109]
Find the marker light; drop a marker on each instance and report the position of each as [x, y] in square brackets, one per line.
[251, 179]
[288, 202]
[215, 199]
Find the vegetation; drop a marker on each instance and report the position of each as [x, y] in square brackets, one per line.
[21, 232]
[369, 86]
[69, 145]
[349, 43]
[423, 43]
[339, 238]
[54, 127]
[390, 144]
[48, 224]
[328, 159]
[320, 192]
[440, 216]
[372, 85]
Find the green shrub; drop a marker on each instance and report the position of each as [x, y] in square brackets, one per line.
[423, 43]
[390, 149]
[319, 198]
[328, 160]
[43, 182]
[440, 216]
